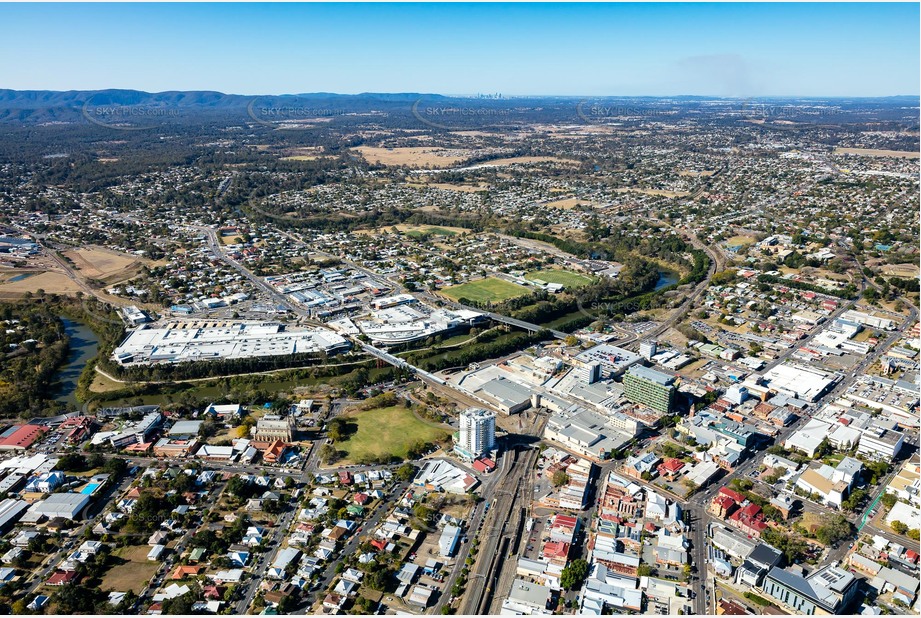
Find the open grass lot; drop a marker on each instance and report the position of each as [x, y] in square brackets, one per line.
[424, 230]
[525, 160]
[411, 156]
[386, 432]
[50, 281]
[485, 290]
[872, 152]
[564, 277]
[740, 240]
[133, 572]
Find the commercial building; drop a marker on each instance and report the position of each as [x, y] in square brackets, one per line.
[447, 543]
[880, 443]
[591, 434]
[411, 321]
[527, 598]
[612, 359]
[868, 320]
[178, 342]
[477, 434]
[827, 591]
[650, 387]
[607, 590]
[10, 512]
[807, 383]
[648, 349]
[21, 437]
[65, 505]
[134, 316]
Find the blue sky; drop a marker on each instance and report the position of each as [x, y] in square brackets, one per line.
[738, 50]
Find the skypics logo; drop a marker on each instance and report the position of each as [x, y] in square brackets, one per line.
[439, 115]
[600, 112]
[766, 111]
[293, 117]
[128, 117]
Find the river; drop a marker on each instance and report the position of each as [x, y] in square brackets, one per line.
[666, 278]
[83, 347]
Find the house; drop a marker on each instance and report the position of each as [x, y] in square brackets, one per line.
[670, 468]
[333, 601]
[185, 571]
[156, 552]
[62, 577]
[238, 557]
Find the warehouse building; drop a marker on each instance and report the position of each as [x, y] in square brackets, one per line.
[64, 505]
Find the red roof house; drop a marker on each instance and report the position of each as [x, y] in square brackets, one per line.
[59, 578]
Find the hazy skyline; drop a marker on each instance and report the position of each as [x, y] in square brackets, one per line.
[731, 50]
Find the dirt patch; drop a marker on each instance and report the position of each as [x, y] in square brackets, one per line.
[696, 174]
[98, 263]
[450, 187]
[570, 203]
[908, 271]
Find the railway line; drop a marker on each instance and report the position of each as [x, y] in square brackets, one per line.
[500, 534]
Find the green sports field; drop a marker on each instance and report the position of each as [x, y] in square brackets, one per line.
[485, 290]
[386, 431]
[567, 278]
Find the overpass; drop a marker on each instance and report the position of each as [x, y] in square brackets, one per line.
[528, 326]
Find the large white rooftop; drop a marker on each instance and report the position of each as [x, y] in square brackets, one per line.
[199, 341]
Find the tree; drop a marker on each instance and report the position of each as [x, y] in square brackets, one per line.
[888, 500]
[834, 529]
[644, 570]
[328, 454]
[379, 579]
[74, 599]
[406, 472]
[559, 478]
[574, 574]
[899, 527]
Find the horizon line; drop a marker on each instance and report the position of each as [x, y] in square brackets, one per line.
[483, 95]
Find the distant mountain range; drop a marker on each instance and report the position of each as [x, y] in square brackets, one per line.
[48, 106]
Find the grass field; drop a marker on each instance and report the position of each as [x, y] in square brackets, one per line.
[133, 573]
[386, 431]
[564, 277]
[525, 160]
[485, 290]
[50, 281]
[736, 241]
[411, 156]
[873, 152]
[437, 231]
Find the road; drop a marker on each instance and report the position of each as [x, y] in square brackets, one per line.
[215, 246]
[50, 564]
[354, 541]
[264, 560]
